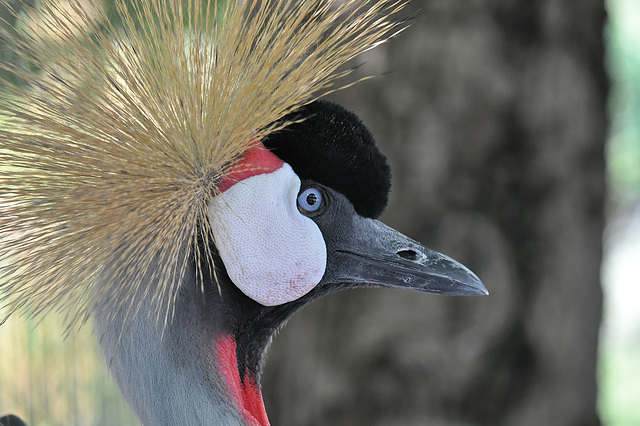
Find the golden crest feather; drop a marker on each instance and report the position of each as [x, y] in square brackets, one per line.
[114, 132]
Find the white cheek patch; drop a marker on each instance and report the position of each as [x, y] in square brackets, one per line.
[272, 253]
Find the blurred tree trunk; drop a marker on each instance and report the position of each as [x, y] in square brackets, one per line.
[493, 117]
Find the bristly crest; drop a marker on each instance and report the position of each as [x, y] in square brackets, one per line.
[114, 133]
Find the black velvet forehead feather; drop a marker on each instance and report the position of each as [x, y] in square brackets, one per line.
[334, 148]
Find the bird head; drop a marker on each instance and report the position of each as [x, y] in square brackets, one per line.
[296, 220]
[298, 215]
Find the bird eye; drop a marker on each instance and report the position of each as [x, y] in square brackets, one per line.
[310, 200]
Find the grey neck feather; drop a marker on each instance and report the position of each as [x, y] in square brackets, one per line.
[167, 379]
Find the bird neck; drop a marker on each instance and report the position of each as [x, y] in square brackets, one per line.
[188, 372]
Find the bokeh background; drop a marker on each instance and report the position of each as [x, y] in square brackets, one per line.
[513, 132]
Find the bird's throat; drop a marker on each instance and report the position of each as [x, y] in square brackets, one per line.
[244, 388]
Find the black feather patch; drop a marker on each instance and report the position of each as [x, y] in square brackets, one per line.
[332, 146]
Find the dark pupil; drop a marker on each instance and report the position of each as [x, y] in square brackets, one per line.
[312, 199]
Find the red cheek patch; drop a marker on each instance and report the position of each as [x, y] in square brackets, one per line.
[257, 160]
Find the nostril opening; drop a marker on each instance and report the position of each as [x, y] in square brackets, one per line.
[408, 254]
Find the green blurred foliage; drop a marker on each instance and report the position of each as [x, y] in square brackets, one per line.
[619, 370]
[619, 366]
[622, 38]
[47, 379]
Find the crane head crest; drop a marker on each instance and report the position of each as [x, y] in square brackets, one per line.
[116, 133]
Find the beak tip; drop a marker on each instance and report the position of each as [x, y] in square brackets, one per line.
[478, 288]
[465, 281]
[473, 291]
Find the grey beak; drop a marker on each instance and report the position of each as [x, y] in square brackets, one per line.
[377, 255]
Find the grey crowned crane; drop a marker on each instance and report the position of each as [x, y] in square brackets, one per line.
[173, 177]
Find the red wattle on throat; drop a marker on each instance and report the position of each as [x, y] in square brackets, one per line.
[257, 160]
[245, 390]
